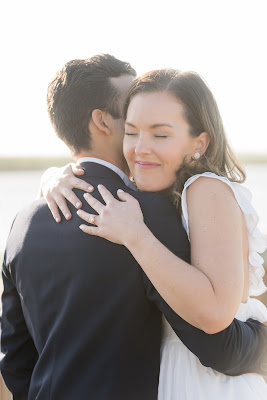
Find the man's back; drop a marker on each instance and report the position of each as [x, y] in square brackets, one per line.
[83, 299]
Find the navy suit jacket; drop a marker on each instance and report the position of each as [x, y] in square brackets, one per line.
[82, 321]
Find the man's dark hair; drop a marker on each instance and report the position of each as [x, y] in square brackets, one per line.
[80, 87]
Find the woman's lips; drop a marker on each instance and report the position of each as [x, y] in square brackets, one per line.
[146, 164]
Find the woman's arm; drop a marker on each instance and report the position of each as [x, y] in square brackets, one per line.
[207, 293]
[56, 187]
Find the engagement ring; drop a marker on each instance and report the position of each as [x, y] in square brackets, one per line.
[92, 220]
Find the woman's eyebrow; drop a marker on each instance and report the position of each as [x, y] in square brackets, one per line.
[160, 125]
[154, 126]
[128, 123]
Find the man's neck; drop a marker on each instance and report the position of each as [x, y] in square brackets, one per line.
[121, 165]
[125, 178]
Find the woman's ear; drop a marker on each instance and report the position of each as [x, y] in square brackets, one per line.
[202, 143]
[101, 121]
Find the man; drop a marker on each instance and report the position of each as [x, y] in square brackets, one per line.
[78, 324]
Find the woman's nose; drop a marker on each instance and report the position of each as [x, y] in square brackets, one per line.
[142, 146]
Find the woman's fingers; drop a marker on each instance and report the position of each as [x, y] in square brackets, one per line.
[90, 218]
[77, 183]
[89, 229]
[105, 193]
[94, 203]
[71, 197]
[62, 205]
[54, 209]
[77, 169]
[124, 196]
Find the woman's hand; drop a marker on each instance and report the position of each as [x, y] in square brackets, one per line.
[57, 185]
[117, 221]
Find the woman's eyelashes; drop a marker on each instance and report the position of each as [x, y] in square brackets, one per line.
[155, 135]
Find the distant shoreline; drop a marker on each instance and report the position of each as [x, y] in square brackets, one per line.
[32, 163]
[42, 163]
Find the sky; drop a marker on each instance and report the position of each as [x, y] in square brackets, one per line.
[224, 41]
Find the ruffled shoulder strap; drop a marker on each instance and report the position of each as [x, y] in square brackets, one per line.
[257, 241]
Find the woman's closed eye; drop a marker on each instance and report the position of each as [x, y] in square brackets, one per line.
[156, 135]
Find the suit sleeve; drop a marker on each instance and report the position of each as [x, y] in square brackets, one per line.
[242, 347]
[18, 352]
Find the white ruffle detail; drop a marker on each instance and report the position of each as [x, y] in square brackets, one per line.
[256, 240]
[254, 309]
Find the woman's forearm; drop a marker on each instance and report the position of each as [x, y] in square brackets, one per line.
[207, 293]
[187, 290]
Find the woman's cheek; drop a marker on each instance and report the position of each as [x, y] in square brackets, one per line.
[128, 151]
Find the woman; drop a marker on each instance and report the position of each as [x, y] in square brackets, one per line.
[175, 143]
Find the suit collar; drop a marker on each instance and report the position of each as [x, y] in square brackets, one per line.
[101, 168]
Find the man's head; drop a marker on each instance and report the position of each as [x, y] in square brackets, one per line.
[85, 102]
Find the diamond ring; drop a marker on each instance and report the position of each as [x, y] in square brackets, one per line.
[92, 220]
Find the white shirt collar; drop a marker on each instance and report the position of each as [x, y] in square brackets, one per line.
[113, 167]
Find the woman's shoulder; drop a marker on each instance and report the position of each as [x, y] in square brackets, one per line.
[207, 178]
[208, 184]
[207, 194]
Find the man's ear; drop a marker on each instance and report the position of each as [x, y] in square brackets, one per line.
[101, 120]
[202, 143]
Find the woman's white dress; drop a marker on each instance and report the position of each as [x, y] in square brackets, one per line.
[182, 376]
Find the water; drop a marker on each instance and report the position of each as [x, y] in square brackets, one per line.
[21, 187]
[17, 188]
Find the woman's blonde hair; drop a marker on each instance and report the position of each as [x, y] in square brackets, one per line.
[202, 114]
